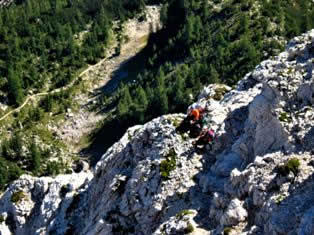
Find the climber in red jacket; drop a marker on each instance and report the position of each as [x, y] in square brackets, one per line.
[193, 122]
[196, 114]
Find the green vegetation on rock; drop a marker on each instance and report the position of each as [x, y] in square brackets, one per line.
[189, 228]
[227, 230]
[183, 213]
[219, 93]
[292, 165]
[168, 165]
[284, 117]
[17, 196]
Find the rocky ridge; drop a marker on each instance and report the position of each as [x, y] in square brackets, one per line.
[256, 179]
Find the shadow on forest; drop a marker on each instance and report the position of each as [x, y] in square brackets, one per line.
[113, 129]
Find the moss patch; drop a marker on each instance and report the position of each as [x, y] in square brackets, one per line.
[279, 199]
[284, 117]
[189, 229]
[219, 93]
[176, 122]
[168, 165]
[183, 213]
[291, 165]
[17, 196]
[227, 230]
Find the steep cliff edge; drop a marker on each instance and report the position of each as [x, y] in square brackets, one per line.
[256, 179]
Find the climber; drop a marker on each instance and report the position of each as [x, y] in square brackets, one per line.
[192, 122]
[206, 137]
[196, 114]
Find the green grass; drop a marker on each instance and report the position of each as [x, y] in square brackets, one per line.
[176, 122]
[279, 199]
[168, 165]
[189, 228]
[227, 230]
[183, 213]
[219, 93]
[1, 219]
[17, 196]
[291, 165]
[284, 117]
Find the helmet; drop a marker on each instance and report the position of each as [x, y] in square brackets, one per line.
[195, 113]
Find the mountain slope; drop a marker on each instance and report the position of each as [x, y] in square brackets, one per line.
[257, 178]
[203, 42]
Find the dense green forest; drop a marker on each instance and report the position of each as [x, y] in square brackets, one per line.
[204, 42]
[45, 42]
[43, 45]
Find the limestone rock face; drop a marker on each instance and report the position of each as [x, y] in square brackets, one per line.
[255, 178]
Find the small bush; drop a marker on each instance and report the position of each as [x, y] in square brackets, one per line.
[284, 117]
[184, 136]
[189, 228]
[168, 165]
[183, 213]
[279, 199]
[17, 196]
[291, 165]
[54, 168]
[227, 230]
[176, 122]
[219, 93]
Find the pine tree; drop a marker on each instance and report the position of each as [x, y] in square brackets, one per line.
[48, 103]
[197, 28]
[16, 144]
[214, 76]
[15, 88]
[162, 102]
[178, 91]
[188, 35]
[161, 94]
[3, 173]
[124, 103]
[35, 157]
[244, 24]
[53, 4]
[141, 104]
[141, 97]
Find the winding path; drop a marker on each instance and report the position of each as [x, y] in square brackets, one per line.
[136, 32]
[51, 92]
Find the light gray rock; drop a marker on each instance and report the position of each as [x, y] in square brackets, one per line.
[226, 163]
[234, 213]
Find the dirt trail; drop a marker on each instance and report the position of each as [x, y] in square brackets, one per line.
[82, 122]
[104, 69]
[91, 67]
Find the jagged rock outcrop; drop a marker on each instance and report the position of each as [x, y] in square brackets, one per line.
[257, 178]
